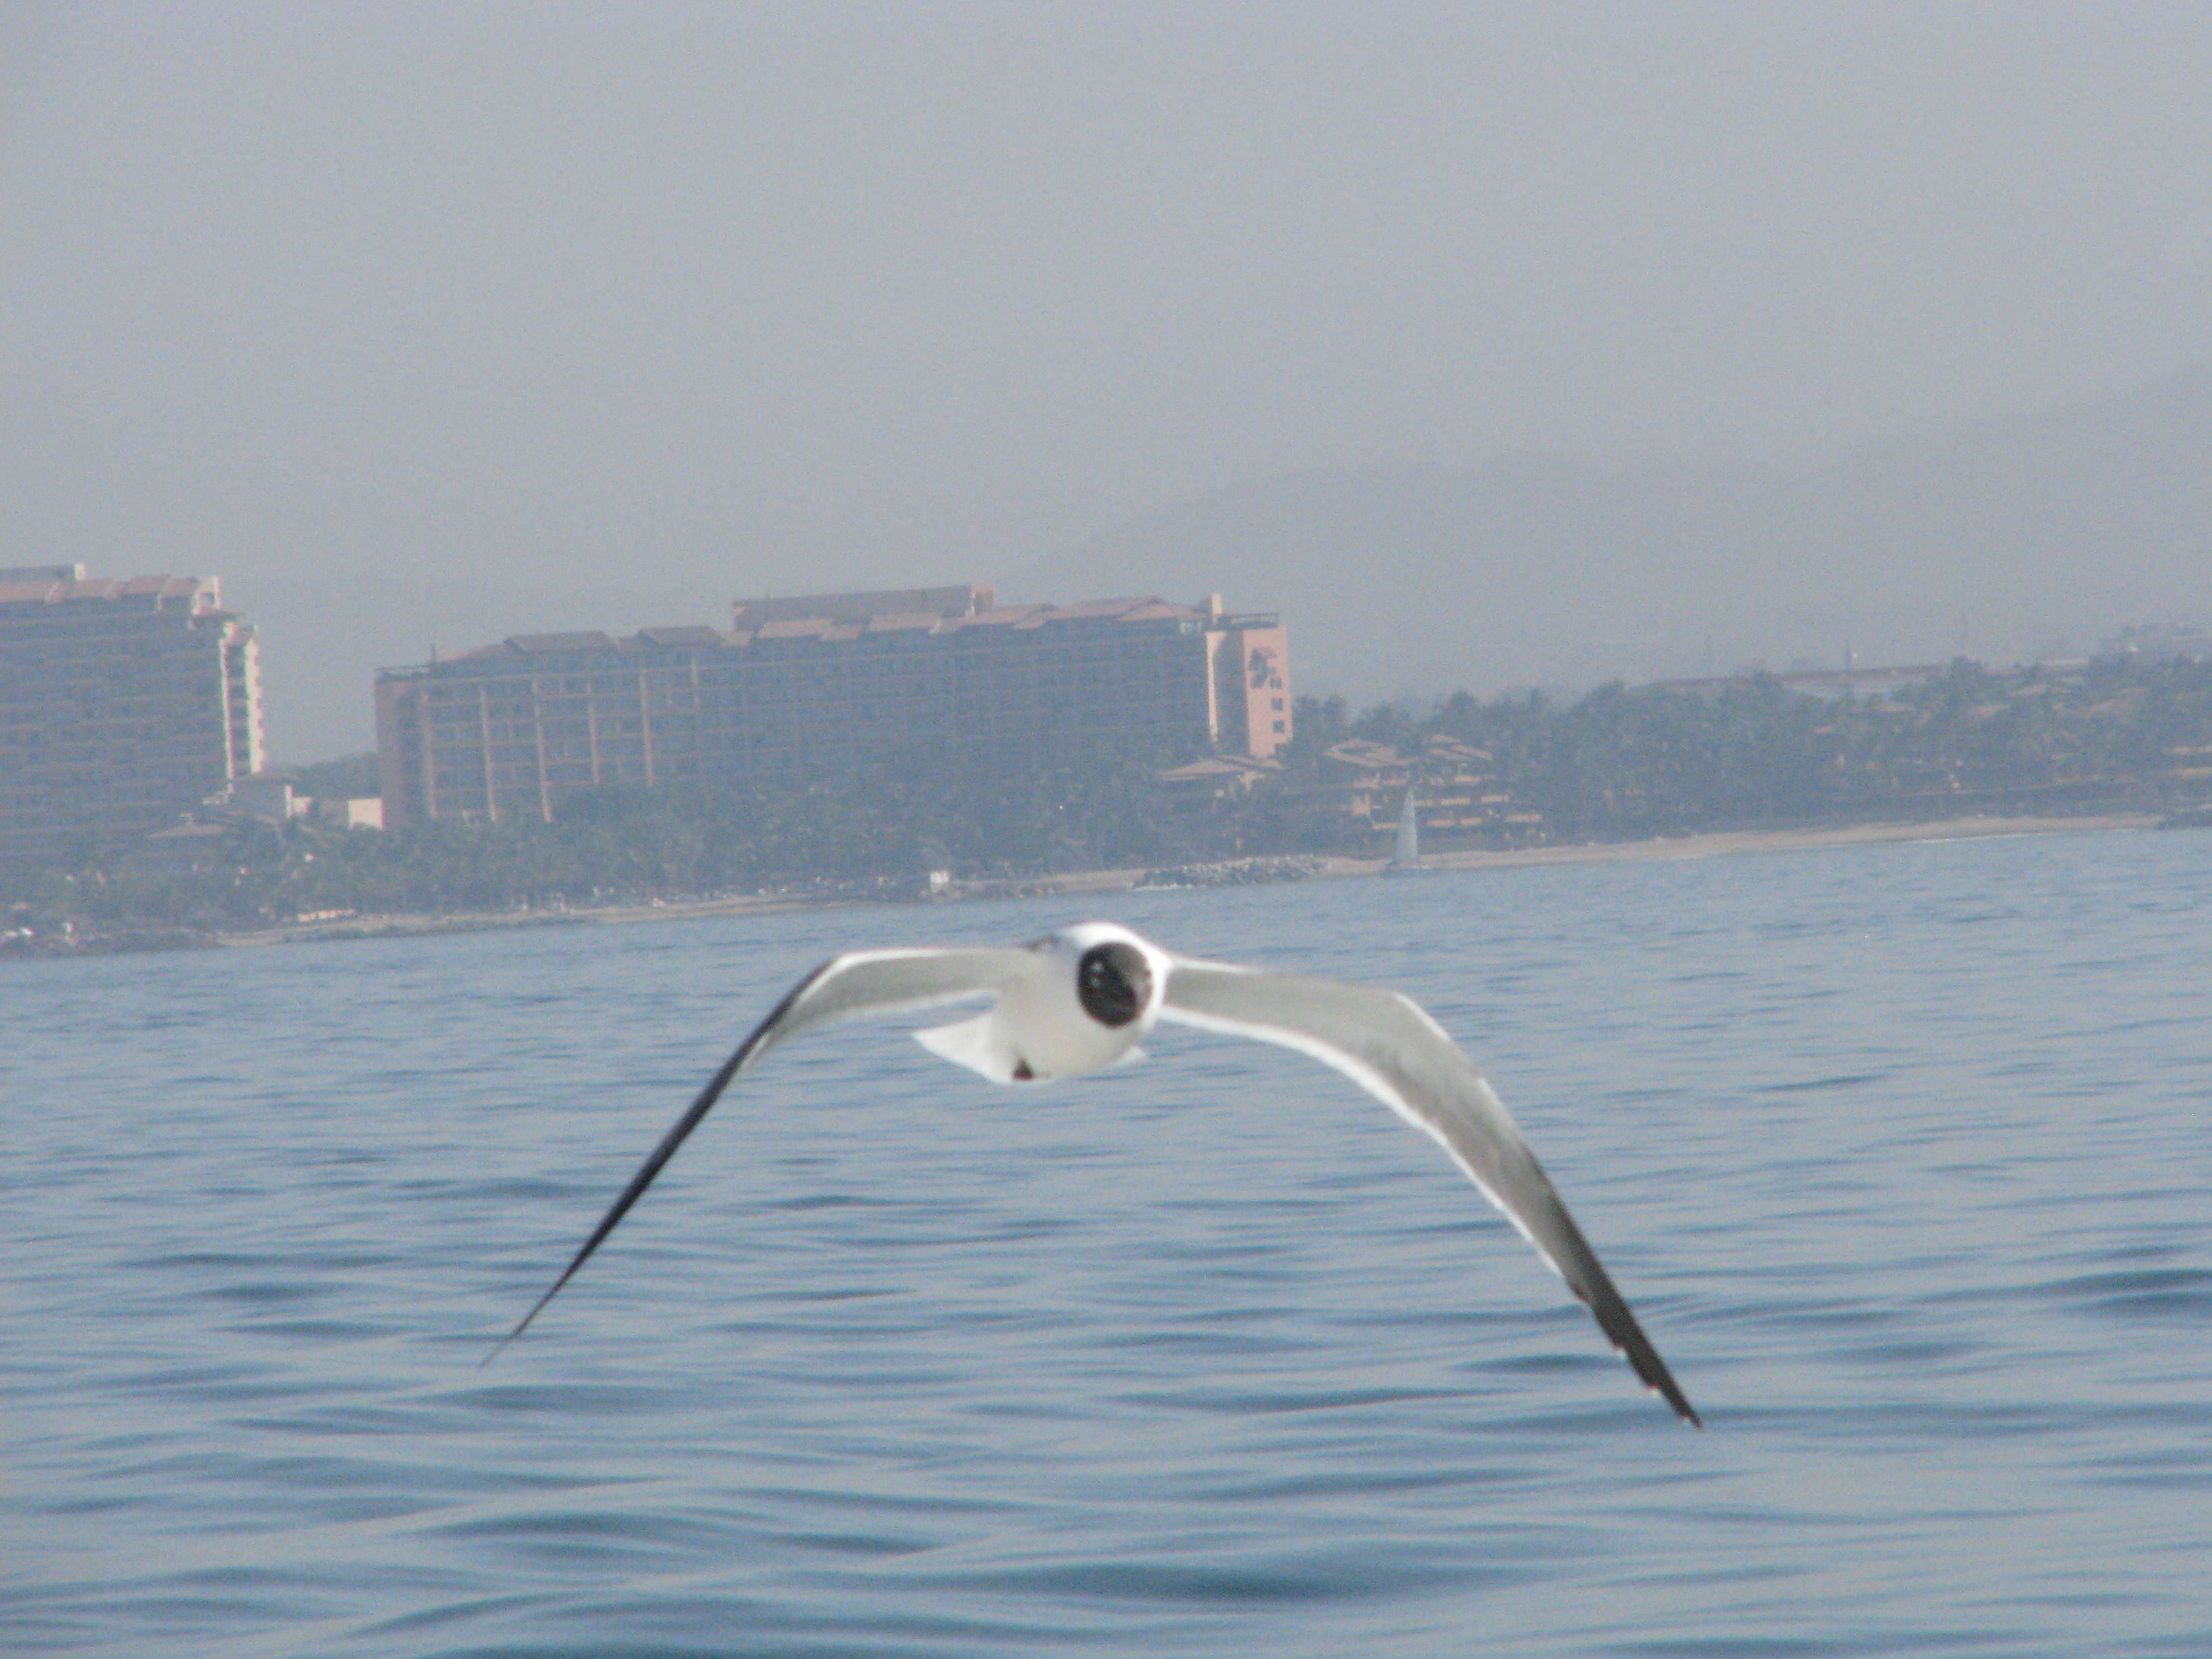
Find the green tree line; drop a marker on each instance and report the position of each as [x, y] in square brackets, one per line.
[881, 831]
[1655, 760]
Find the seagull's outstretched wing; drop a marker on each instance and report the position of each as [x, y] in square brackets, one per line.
[858, 982]
[1389, 1045]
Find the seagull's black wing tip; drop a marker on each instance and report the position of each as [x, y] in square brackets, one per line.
[501, 1346]
[653, 1165]
[1652, 1371]
[1628, 1339]
[1683, 1409]
[536, 1308]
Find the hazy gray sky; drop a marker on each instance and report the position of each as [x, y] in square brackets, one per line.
[723, 298]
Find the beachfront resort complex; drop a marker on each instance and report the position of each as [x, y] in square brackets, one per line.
[129, 706]
[821, 690]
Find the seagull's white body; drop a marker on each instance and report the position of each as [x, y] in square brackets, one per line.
[1026, 1036]
[1080, 999]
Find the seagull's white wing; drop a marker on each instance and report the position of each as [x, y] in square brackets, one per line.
[1388, 1045]
[858, 982]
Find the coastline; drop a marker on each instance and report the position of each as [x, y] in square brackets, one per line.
[1719, 843]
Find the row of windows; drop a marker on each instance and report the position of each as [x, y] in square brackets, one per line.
[846, 662]
[511, 695]
[128, 625]
[823, 729]
[99, 794]
[465, 723]
[816, 728]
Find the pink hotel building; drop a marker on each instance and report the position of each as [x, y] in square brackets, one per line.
[817, 688]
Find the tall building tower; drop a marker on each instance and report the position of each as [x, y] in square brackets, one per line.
[121, 704]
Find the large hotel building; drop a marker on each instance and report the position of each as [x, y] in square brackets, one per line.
[122, 704]
[819, 689]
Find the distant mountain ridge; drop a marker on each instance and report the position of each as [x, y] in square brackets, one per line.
[2004, 541]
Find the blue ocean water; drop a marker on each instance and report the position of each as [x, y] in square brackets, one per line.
[1903, 1155]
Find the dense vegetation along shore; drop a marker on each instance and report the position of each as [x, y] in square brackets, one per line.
[2114, 742]
[1075, 884]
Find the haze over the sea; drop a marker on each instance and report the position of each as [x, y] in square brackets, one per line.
[1824, 322]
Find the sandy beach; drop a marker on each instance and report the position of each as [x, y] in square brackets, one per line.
[1725, 842]
[1717, 844]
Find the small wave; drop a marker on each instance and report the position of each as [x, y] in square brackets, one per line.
[1262, 1402]
[1258, 1584]
[1844, 1080]
[2154, 1292]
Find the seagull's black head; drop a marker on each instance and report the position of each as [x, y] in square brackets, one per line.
[1113, 982]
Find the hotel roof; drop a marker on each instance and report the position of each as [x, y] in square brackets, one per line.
[50, 591]
[845, 623]
[546, 644]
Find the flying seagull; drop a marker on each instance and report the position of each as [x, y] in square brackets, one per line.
[1080, 999]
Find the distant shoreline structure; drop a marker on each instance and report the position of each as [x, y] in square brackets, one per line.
[1075, 884]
